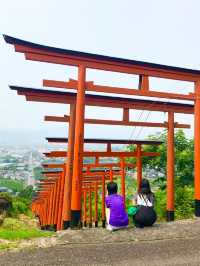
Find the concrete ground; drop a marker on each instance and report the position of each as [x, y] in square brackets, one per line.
[175, 243]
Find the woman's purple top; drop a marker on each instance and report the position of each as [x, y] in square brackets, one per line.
[118, 215]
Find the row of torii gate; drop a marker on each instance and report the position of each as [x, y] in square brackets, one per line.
[95, 175]
[63, 191]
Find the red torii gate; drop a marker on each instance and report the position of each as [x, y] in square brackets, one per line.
[109, 153]
[92, 174]
[52, 212]
[145, 70]
[38, 95]
[49, 96]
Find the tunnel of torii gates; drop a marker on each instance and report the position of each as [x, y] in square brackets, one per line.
[75, 181]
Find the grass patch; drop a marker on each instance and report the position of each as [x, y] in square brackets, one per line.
[8, 246]
[22, 234]
[15, 229]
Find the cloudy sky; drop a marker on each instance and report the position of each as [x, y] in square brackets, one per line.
[165, 32]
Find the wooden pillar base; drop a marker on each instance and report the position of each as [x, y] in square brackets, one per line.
[85, 224]
[66, 224]
[96, 224]
[170, 216]
[48, 227]
[90, 225]
[54, 227]
[104, 223]
[37, 216]
[75, 218]
[197, 208]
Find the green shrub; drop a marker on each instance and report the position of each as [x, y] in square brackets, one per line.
[184, 202]
[160, 204]
[7, 196]
[27, 193]
[19, 206]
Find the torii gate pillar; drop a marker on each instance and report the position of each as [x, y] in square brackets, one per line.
[197, 148]
[66, 214]
[170, 168]
[78, 149]
[139, 166]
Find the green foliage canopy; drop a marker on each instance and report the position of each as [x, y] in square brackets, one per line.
[14, 185]
[184, 153]
[27, 193]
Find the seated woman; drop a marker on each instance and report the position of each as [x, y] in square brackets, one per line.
[144, 199]
[116, 215]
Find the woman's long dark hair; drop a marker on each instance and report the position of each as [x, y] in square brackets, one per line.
[145, 189]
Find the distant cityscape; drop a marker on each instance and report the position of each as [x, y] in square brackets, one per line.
[21, 155]
[23, 163]
[20, 163]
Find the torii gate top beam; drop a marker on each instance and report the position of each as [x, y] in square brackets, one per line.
[49, 96]
[106, 141]
[54, 55]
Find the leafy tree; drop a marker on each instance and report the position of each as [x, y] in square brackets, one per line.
[27, 193]
[184, 153]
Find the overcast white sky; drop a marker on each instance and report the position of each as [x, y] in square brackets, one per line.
[165, 32]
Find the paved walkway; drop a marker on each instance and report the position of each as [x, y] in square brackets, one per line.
[164, 244]
[163, 231]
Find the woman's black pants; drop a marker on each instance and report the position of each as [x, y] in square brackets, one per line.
[145, 216]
